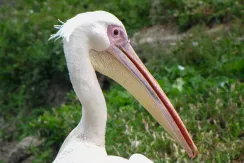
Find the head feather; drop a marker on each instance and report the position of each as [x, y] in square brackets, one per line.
[66, 29]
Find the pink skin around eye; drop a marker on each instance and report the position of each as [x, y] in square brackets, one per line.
[117, 35]
[119, 40]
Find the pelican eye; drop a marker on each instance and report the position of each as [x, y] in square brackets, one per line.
[116, 32]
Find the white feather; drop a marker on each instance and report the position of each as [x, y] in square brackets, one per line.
[86, 143]
[66, 29]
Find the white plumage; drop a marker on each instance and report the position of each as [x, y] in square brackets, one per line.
[98, 41]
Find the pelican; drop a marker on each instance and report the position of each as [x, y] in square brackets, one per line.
[97, 41]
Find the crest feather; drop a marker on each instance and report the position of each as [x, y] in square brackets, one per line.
[88, 18]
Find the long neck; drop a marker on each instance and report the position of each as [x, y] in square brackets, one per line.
[94, 111]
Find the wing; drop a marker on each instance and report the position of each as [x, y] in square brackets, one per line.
[135, 158]
[79, 152]
[139, 158]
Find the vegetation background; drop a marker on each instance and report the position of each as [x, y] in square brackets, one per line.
[202, 74]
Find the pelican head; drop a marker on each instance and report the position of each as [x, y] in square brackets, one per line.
[103, 41]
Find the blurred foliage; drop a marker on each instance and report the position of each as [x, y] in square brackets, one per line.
[202, 75]
[217, 53]
[208, 97]
[187, 13]
[29, 63]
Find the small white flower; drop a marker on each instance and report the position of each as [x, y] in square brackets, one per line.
[173, 43]
[135, 143]
[222, 84]
[178, 84]
[194, 43]
[181, 67]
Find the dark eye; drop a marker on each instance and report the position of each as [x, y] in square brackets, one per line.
[116, 32]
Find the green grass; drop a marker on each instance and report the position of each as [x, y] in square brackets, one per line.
[209, 99]
[29, 62]
[202, 75]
